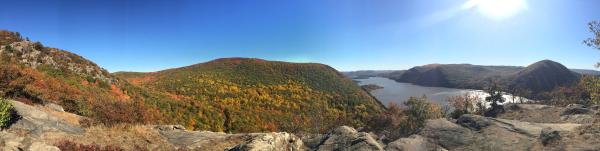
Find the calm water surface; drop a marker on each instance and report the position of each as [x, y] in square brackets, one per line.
[399, 92]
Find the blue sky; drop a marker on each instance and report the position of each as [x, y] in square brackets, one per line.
[144, 35]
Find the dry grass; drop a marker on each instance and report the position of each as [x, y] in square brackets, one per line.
[128, 137]
[64, 116]
[545, 115]
[71, 146]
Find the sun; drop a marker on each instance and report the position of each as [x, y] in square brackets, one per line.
[497, 9]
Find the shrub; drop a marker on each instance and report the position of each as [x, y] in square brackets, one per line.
[418, 111]
[594, 42]
[563, 96]
[387, 121]
[38, 46]
[6, 112]
[591, 85]
[462, 104]
[396, 122]
[495, 98]
[8, 48]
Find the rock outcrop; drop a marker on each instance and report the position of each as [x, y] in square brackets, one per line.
[578, 113]
[345, 138]
[447, 134]
[412, 143]
[271, 142]
[206, 140]
[473, 122]
[574, 109]
[42, 126]
[33, 123]
[473, 132]
[37, 121]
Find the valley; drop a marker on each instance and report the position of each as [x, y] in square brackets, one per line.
[52, 99]
[533, 81]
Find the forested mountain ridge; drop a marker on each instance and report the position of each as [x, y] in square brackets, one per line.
[544, 76]
[276, 94]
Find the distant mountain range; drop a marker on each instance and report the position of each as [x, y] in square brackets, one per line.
[586, 71]
[542, 76]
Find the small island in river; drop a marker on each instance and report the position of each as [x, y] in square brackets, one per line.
[371, 87]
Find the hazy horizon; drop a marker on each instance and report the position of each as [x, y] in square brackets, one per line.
[146, 36]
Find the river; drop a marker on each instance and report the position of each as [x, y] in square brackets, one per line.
[398, 92]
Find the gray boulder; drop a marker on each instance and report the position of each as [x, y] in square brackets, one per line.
[414, 142]
[11, 141]
[178, 136]
[271, 142]
[549, 135]
[532, 129]
[578, 118]
[206, 140]
[15, 142]
[37, 121]
[573, 109]
[447, 134]
[348, 138]
[473, 132]
[474, 122]
[313, 140]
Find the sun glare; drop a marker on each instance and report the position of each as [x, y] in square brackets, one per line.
[497, 9]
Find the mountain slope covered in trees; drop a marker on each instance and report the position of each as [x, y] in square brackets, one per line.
[36, 74]
[544, 76]
[224, 95]
[271, 94]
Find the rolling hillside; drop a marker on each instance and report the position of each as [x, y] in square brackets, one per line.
[544, 76]
[257, 95]
[235, 95]
[36, 74]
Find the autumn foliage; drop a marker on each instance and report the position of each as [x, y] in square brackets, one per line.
[230, 95]
[463, 104]
[402, 121]
[249, 95]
